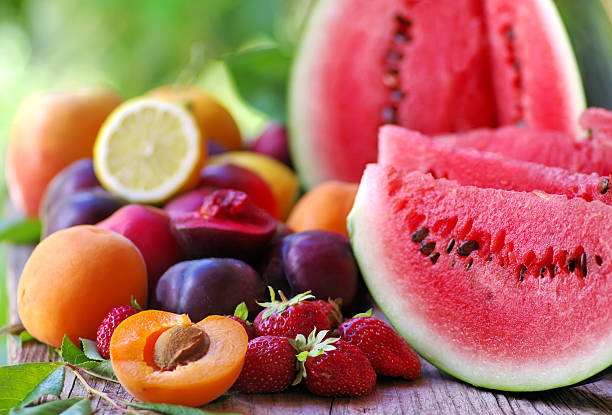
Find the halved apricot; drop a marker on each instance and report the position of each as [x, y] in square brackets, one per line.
[192, 383]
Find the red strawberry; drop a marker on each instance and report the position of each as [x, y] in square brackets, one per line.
[388, 352]
[332, 309]
[269, 366]
[290, 317]
[108, 325]
[241, 315]
[333, 367]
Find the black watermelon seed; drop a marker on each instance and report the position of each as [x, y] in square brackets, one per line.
[393, 56]
[553, 271]
[583, 264]
[450, 246]
[490, 258]
[469, 265]
[467, 247]
[427, 248]
[419, 234]
[389, 115]
[401, 37]
[603, 186]
[571, 265]
[598, 260]
[397, 95]
[542, 271]
[523, 269]
[453, 263]
[434, 257]
[510, 33]
[402, 20]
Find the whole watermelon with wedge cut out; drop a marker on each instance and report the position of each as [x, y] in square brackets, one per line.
[505, 290]
[434, 66]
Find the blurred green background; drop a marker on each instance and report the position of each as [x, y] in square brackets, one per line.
[224, 45]
[136, 45]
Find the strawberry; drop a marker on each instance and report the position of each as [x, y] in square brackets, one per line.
[332, 309]
[290, 317]
[269, 366]
[388, 352]
[333, 367]
[241, 315]
[108, 325]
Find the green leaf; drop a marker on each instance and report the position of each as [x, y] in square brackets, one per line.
[72, 406]
[51, 385]
[90, 348]
[261, 76]
[135, 304]
[70, 353]
[103, 370]
[19, 382]
[89, 359]
[167, 409]
[364, 314]
[20, 231]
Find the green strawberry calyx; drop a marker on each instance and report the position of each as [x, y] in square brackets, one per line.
[242, 312]
[314, 346]
[280, 306]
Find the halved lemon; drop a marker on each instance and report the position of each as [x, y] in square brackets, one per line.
[148, 150]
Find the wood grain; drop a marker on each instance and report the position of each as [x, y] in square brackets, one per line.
[433, 393]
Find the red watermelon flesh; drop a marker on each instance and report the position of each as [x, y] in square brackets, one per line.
[544, 147]
[434, 66]
[411, 150]
[598, 122]
[529, 309]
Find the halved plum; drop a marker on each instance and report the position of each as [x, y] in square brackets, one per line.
[228, 224]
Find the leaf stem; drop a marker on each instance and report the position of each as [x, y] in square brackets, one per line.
[94, 391]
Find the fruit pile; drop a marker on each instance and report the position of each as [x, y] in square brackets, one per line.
[155, 218]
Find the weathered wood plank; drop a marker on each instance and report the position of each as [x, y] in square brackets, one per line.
[434, 393]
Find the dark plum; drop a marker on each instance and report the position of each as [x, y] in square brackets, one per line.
[273, 142]
[228, 224]
[149, 229]
[209, 286]
[323, 262]
[231, 176]
[272, 270]
[77, 176]
[85, 207]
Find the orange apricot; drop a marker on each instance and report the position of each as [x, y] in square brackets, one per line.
[73, 278]
[50, 131]
[324, 207]
[200, 361]
[213, 119]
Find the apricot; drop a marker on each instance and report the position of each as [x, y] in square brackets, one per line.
[324, 207]
[74, 278]
[213, 119]
[163, 357]
[50, 131]
[280, 178]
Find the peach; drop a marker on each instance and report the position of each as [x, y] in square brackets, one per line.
[50, 131]
[213, 119]
[163, 357]
[74, 278]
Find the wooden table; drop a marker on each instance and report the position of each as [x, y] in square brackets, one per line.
[434, 393]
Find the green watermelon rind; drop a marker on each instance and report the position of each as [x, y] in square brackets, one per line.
[364, 244]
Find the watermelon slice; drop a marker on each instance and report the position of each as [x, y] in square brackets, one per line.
[411, 150]
[433, 66]
[505, 290]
